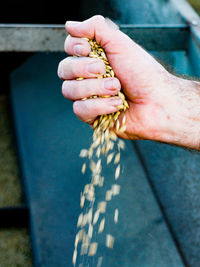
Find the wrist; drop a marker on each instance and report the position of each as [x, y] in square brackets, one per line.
[183, 120]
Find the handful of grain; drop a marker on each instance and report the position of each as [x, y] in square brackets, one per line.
[104, 139]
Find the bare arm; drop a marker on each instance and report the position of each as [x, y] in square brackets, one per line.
[163, 107]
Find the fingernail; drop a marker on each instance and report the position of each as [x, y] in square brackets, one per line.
[74, 23]
[111, 84]
[115, 101]
[78, 49]
[94, 68]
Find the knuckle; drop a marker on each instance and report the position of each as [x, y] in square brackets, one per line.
[76, 108]
[99, 18]
[67, 43]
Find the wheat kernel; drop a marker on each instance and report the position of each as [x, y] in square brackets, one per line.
[93, 249]
[109, 241]
[101, 226]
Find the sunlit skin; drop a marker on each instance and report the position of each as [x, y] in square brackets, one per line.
[163, 107]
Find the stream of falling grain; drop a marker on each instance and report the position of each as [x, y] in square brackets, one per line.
[105, 139]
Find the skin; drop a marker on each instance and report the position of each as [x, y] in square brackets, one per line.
[163, 107]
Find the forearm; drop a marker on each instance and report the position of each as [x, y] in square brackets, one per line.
[183, 120]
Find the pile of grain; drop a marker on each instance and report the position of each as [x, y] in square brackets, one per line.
[104, 138]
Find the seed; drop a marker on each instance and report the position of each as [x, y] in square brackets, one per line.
[74, 257]
[95, 124]
[122, 129]
[121, 144]
[102, 206]
[99, 262]
[117, 172]
[124, 120]
[115, 189]
[112, 73]
[83, 153]
[96, 217]
[116, 215]
[79, 79]
[82, 201]
[84, 249]
[90, 215]
[108, 195]
[117, 158]
[117, 126]
[80, 219]
[85, 220]
[101, 226]
[98, 153]
[110, 157]
[83, 168]
[95, 179]
[90, 231]
[109, 241]
[93, 249]
[101, 181]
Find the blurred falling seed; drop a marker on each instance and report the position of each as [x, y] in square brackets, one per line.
[90, 231]
[102, 206]
[117, 158]
[116, 215]
[110, 157]
[98, 153]
[96, 217]
[121, 144]
[82, 201]
[101, 181]
[84, 249]
[80, 219]
[101, 226]
[83, 168]
[115, 189]
[109, 241]
[99, 261]
[90, 215]
[83, 153]
[93, 249]
[74, 257]
[117, 172]
[108, 195]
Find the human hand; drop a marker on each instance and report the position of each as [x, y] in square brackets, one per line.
[160, 103]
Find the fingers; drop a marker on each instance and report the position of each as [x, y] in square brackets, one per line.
[77, 46]
[75, 90]
[96, 27]
[72, 67]
[89, 109]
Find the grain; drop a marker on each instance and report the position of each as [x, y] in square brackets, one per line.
[117, 172]
[108, 195]
[102, 206]
[93, 249]
[96, 217]
[115, 189]
[116, 215]
[74, 257]
[117, 158]
[109, 241]
[101, 226]
[83, 168]
[104, 139]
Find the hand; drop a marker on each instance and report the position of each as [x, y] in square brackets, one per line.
[161, 104]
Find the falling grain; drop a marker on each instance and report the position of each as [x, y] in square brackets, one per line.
[117, 172]
[93, 249]
[109, 241]
[116, 215]
[101, 226]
